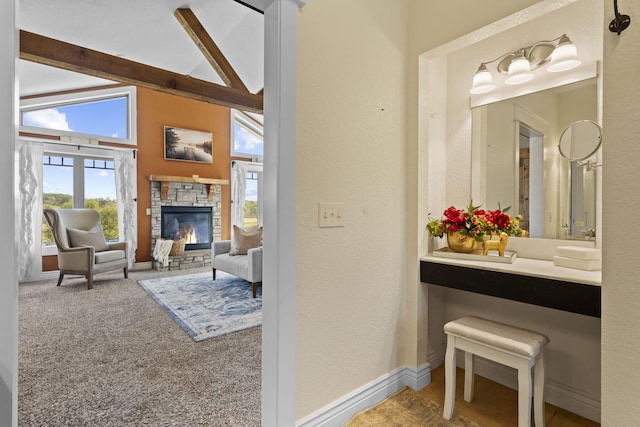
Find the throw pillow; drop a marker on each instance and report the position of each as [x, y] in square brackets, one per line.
[243, 240]
[177, 249]
[93, 237]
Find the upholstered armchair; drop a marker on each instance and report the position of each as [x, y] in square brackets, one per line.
[241, 256]
[82, 248]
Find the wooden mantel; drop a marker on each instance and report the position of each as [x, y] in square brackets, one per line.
[166, 179]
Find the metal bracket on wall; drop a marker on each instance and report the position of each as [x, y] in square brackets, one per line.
[620, 22]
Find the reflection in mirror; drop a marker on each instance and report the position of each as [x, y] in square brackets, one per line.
[580, 140]
[516, 161]
[578, 143]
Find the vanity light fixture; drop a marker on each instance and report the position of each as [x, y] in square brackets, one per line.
[560, 53]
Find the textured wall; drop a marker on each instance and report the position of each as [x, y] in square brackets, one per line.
[351, 148]
[621, 200]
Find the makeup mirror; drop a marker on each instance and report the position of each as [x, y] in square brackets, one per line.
[580, 140]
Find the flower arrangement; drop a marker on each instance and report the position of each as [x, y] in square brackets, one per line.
[474, 222]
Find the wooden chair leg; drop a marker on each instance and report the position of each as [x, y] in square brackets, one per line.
[126, 272]
[89, 281]
[60, 279]
[214, 273]
[254, 289]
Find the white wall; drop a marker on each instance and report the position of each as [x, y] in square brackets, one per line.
[621, 199]
[351, 285]
[9, 284]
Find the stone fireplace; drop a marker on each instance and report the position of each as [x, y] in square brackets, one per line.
[186, 201]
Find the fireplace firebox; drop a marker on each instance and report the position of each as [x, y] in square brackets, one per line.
[193, 223]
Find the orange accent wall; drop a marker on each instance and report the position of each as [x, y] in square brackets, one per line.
[156, 110]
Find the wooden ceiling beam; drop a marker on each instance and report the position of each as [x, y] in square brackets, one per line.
[47, 51]
[209, 48]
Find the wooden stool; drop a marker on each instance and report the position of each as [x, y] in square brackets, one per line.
[511, 346]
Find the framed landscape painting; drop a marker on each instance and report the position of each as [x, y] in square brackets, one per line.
[188, 145]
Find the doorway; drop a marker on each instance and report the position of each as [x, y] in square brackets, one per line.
[530, 193]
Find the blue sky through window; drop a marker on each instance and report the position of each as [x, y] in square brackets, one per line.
[99, 183]
[246, 142]
[103, 118]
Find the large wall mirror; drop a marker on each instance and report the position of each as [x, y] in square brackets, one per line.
[515, 142]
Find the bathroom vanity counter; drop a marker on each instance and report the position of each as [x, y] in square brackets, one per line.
[526, 280]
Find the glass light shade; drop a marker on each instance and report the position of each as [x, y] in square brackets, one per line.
[482, 81]
[519, 71]
[564, 57]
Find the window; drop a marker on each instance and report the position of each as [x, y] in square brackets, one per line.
[105, 115]
[252, 207]
[246, 194]
[246, 135]
[80, 181]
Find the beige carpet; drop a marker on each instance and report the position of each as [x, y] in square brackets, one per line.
[408, 408]
[111, 356]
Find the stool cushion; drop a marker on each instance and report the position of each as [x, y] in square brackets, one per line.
[516, 340]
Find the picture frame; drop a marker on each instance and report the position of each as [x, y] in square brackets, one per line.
[188, 145]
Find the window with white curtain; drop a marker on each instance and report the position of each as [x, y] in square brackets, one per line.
[77, 172]
[246, 194]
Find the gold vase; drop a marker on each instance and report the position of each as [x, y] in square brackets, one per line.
[461, 243]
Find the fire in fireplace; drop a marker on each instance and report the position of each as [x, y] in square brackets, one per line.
[193, 223]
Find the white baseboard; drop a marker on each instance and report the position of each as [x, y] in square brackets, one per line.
[342, 410]
[45, 275]
[147, 265]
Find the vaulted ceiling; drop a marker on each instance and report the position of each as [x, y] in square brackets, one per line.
[149, 32]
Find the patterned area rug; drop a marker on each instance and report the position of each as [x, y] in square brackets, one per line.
[207, 308]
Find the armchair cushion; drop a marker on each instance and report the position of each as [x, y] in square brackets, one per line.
[243, 240]
[106, 256]
[93, 237]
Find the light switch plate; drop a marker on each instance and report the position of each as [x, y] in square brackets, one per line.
[330, 214]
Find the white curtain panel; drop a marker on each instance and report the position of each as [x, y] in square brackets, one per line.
[238, 184]
[29, 218]
[126, 187]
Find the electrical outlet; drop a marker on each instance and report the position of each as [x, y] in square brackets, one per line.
[330, 214]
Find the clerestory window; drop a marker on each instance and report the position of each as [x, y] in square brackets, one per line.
[100, 115]
[246, 135]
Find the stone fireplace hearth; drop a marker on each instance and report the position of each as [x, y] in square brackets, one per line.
[191, 192]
